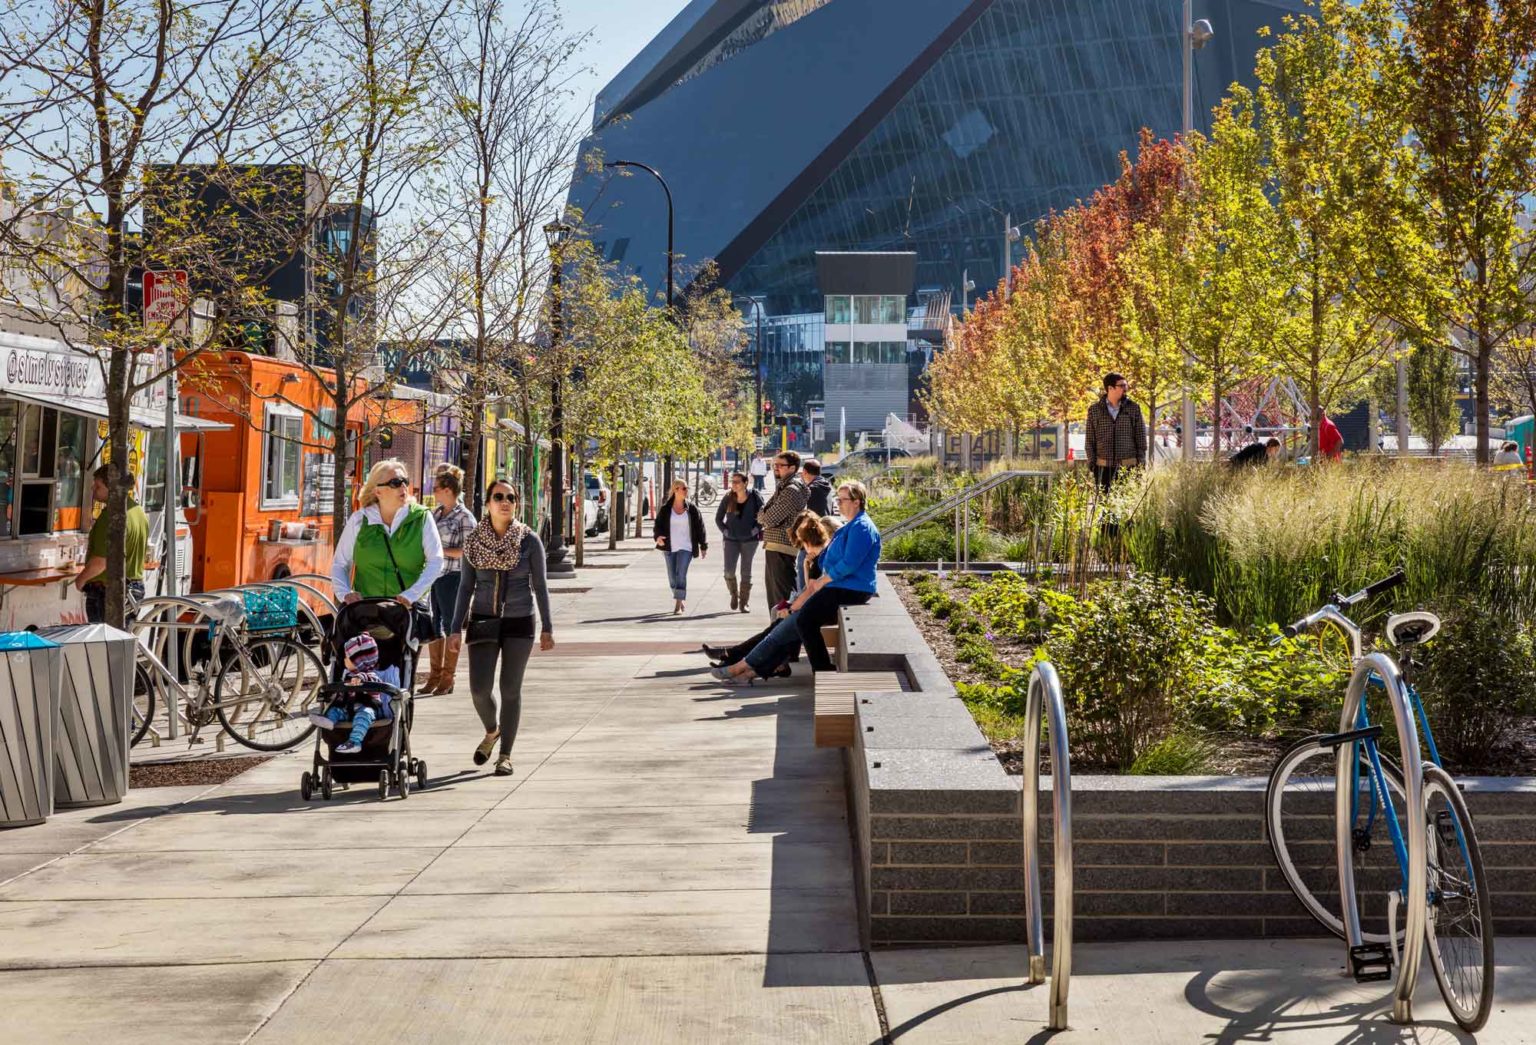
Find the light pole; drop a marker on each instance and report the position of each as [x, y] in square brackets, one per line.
[666, 477]
[555, 234]
[1011, 235]
[757, 367]
[967, 284]
[653, 172]
[1196, 35]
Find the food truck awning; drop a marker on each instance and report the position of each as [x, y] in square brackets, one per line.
[139, 416]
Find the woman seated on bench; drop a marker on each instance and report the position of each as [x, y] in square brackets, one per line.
[767, 654]
[847, 574]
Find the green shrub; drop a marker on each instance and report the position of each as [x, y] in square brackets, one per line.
[935, 541]
[1124, 657]
[1257, 686]
[1178, 754]
[1476, 677]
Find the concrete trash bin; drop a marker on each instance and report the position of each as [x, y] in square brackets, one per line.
[29, 704]
[91, 734]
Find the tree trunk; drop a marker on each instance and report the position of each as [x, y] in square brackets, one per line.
[340, 509]
[120, 485]
[473, 455]
[616, 518]
[1484, 364]
[578, 509]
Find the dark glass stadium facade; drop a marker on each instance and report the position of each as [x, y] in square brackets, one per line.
[784, 127]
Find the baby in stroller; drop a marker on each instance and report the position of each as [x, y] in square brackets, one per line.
[363, 704]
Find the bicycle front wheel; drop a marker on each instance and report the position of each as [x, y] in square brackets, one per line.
[1299, 814]
[263, 699]
[1460, 922]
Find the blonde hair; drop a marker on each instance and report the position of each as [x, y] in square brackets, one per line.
[381, 472]
[855, 490]
[829, 524]
[679, 484]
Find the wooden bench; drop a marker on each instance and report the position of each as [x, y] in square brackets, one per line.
[836, 694]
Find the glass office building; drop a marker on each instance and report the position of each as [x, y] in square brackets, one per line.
[784, 127]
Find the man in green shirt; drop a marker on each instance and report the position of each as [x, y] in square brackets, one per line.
[92, 576]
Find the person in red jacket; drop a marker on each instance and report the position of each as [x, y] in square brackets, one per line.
[1330, 443]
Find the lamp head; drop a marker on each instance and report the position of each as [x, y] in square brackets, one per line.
[557, 232]
[1200, 33]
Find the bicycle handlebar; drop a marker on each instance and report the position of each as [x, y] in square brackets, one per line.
[1342, 601]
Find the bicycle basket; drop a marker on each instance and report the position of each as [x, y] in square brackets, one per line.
[267, 609]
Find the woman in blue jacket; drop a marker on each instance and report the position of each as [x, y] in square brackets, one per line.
[847, 574]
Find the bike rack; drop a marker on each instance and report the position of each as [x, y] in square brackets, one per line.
[1045, 699]
[1385, 669]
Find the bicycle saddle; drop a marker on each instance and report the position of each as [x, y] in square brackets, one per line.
[1410, 629]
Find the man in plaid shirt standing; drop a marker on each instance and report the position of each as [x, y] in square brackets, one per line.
[775, 517]
[1116, 435]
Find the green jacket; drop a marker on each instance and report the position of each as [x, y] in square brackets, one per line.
[373, 573]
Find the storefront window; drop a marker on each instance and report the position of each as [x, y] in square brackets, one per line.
[280, 459]
[8, 432]
[837, 308]
[69, 507]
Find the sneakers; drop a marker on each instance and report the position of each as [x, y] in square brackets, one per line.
[320, 721]
[483, 752]
[504, 765]
[348, 748]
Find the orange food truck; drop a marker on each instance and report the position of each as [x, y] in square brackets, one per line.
[265, 489]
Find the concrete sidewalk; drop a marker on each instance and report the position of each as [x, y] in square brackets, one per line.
[670, 863]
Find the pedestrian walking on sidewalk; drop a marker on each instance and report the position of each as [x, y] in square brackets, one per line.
[503, 580]
[788, 501]
[389, 548]
[1115, 434]
[847, 574]
[454, 523]
[680, 535]
[740, 535]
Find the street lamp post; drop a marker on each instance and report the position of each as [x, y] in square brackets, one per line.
[1011, 235]
[757, 366]
[653, 172]
[555, 234]
[1196, 35]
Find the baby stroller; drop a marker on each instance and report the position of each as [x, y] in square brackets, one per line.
[386, 748]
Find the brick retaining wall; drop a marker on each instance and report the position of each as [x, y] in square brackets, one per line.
[938, 829]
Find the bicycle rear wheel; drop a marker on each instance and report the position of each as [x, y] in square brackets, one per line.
[263, 699]
[1299, 815]
[1460, 923]
[143, 703]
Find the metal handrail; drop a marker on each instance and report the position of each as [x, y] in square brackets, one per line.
[956, 500]
[1379, 667]
[1045, 699]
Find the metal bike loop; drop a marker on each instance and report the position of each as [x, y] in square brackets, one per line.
[1384, 669]
[1045, 699]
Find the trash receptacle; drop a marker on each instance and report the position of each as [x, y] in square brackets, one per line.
[91, 734]
[29, 704]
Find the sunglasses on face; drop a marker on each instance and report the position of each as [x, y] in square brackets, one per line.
[396, 483]
[501, 498]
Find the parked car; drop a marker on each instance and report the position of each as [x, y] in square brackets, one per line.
[866, 457]
[597, 502]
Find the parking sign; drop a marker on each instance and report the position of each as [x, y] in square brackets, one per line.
[166, 301]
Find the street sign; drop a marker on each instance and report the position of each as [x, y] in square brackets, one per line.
[167, 301]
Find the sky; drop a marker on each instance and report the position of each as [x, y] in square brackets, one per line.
[620, 29]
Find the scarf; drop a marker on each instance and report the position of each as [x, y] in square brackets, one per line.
[487, 550]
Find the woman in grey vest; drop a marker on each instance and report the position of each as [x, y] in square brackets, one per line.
[503, 568]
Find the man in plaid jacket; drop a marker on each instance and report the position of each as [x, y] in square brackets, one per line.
[1116, 433]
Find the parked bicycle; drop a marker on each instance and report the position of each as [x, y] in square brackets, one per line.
[706, 493]
[247, 671]
[1300, 807]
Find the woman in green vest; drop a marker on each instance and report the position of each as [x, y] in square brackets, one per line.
[390, 547]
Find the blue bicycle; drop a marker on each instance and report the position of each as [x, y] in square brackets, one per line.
[1299, 811]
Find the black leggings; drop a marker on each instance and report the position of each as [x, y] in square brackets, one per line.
[820, 609]
[513, 650]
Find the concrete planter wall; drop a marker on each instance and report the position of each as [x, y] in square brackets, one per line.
[938, 830]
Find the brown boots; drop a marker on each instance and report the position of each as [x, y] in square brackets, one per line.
[730, 586]
[746, 596]
[443, 661]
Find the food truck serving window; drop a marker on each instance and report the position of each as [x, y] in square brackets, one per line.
[281, 458]
[43, 455]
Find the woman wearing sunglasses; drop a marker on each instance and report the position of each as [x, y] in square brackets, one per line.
[503, 577]
[389, 548]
